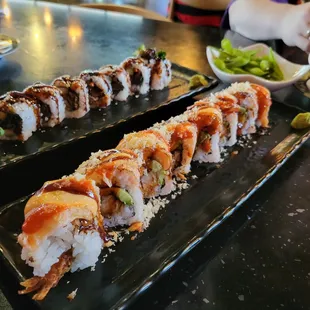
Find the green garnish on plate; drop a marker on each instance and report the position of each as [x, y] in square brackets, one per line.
[197, 80]
[1, 131]
[140, 49]
[235, 61]
[161, 55]
[301, 121]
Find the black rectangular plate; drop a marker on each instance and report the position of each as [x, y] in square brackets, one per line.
[217, 192]
[71, 130]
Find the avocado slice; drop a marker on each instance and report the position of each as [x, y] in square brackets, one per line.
[160, 172]
[203, 137]
[156, 166]
[242, 110]
[161, 178]
[124, 197]
[242, 115]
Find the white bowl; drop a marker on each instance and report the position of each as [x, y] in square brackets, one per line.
[292, 72]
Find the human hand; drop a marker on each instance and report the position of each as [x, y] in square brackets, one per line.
[295, 27]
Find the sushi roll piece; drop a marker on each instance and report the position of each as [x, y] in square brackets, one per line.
[120, 81]
[62, 231]
[50, 101]
[264, 104]
[116, 173]
[99, 88]
[19, 116]
[182, 138]
[156, 161]
[161, 73]
[247, 99]
[228, 104]
[139, 73]
[209, 122]
[75, 94]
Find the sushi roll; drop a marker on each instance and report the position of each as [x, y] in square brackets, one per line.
[161, 73]
[75, 94]
[230, 109]
[139, 73]
[156, 161]
[99, 88]
[209, 122]
[247, 99]
[19, 116]
[62, 231]
[117, 175]
[50, 101]
[120, 81]
[182, 138]
[264, 104]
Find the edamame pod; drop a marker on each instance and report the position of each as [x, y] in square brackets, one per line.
[226, 45]
[265, 65]
[239, 71]
[257, 71]
[221, 65]
[239, 61]
[235, 61]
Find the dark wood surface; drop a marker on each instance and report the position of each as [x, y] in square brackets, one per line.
[259, 258]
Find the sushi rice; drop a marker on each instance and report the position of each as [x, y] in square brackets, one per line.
[136, 66]
[28, 118]
[119, 76]
[214, 155]
[161, 74]
[77, 88]
[86, 248]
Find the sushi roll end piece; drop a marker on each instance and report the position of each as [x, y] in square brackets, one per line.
[264, 103]
[75, 94]
[161, 73]
[19, 116]
[62, 231]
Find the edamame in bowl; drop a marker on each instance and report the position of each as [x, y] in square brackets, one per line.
[257, 63]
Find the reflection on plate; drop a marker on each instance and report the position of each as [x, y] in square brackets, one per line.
[8, 45]
[302, 85]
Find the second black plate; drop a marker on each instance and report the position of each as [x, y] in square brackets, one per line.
[97, 120]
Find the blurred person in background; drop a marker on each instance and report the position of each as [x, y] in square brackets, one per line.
[198, 12]
[266, 20]
[287, 20]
